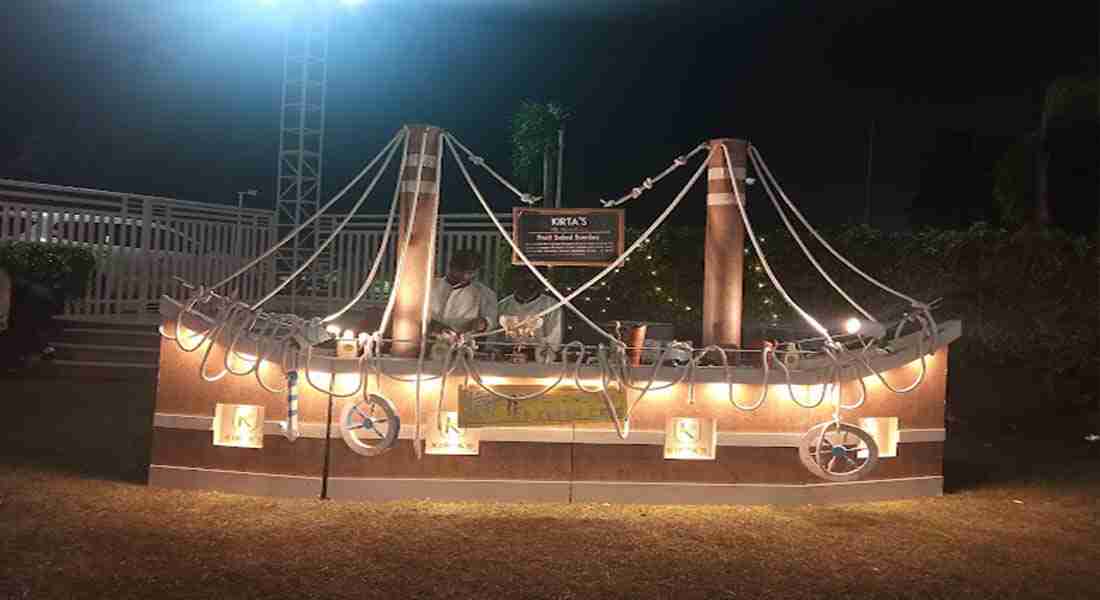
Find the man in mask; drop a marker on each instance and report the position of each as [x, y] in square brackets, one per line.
[459, 303]
[528, 300]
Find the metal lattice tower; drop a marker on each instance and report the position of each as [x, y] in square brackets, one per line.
[301, 144]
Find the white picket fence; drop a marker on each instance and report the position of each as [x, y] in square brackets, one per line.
[354, 250]
[142, 242]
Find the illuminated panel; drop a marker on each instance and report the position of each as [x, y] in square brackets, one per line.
[239, 425]
[690, 438]
[453, 440]
[884, 430]
[347, 346]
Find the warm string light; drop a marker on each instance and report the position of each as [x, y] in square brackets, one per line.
[755, 274]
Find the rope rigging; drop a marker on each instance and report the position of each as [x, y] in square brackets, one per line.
[282, 338]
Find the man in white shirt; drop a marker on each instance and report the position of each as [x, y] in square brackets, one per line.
[459, 303]
[528, 300]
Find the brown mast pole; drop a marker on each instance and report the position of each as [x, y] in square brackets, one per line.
[411, 293]
[724, 247]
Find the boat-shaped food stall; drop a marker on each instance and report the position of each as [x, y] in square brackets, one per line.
[259, 402]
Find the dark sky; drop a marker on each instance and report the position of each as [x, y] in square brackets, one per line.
[180, 97]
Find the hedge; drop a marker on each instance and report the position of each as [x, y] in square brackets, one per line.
[64, 269]
[1024, 297]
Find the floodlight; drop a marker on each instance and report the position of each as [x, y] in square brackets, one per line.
[852, 326]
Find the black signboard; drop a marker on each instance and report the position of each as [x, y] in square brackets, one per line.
[568, 237]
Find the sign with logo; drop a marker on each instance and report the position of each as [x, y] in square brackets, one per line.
[568, 237]
[239, 425]
[690, 438]
[479, 408]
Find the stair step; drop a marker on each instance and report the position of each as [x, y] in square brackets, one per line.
[120, 325]
[107, 337]
[80, 369]
[106, 353]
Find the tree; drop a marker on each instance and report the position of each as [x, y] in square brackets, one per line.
[1012, 178]
[1049, 175]
[955, 180]
[535, 145]
[1066, 99]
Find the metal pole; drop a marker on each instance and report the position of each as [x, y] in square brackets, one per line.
[870, 155]
[561, 157]
[724, 246]
[411, 294]
[328, 439]
[237, 232]
[546, 183]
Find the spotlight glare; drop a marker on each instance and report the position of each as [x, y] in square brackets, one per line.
[852, 326]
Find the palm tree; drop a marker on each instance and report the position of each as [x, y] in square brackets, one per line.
[537, 136]
[1066, 97]
[1021, 177]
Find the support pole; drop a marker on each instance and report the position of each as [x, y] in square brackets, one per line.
[724, 248]
[411, 293]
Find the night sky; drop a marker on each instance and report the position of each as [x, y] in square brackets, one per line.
[180, 97]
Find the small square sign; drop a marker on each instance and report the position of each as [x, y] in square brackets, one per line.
[690, 438]
[239, 425]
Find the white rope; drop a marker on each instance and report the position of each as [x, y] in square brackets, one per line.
[408, 237]
[621, 429]
[479, 161]
[927, 327]
[428, 277]
[447, 360]
[231, 349]
[760, 253]
[227, 319]
[283, 364]
[332, 376]
[566, 300]
[649, 182]
[335, 232]
[469, 365]
[920, 352]
[798, 239]
[477, 192]
[622, 378]
[179, 335]
[729, 378]
[383, 245]
[790, 388]
[926, 307]
[313, 217]
[628, 380]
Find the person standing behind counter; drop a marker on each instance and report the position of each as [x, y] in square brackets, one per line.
[459, 303]
[528, 300]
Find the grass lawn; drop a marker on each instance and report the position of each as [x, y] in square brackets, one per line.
[1022, 519]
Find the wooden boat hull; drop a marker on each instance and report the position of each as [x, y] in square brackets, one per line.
[755, 457]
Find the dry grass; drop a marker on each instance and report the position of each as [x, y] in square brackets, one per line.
[64, 535]
[68, 534]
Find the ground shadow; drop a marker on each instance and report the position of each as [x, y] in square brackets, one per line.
[96, 427]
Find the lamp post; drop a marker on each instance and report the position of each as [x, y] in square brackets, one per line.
[301, 126]
[240, 215]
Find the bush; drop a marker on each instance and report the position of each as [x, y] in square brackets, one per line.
[1025, 298]
[65, 270]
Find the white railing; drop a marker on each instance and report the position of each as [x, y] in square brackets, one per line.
[354, 250]
[142, 242]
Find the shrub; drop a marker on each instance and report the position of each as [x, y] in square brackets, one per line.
[64, 269]
[1025, 298]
